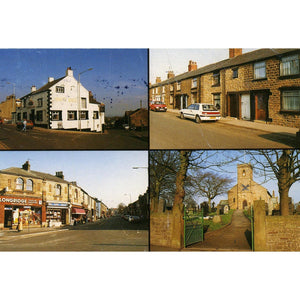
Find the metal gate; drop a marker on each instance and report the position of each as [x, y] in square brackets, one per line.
[193, 227]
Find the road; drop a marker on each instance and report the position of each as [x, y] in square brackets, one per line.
[46, 139]
[113, 234]
[168, 131]
[234, 237]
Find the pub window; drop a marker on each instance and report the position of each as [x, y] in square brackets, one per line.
[19, 184]
[29, 185]
[72, 115]
[260, 70]
[289, 65]
[84, 115]
[56, 115]
[291, 100]
[83, 103]
[95, 114]
[24, 115]
[39, 115]
[60, 89]
[58, 190]
[40, 102]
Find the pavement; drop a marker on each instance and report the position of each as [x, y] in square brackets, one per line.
[258, 125]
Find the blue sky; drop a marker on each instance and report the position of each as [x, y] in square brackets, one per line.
[119, 77]
[107, 175]
[163, 60]
[230, 170]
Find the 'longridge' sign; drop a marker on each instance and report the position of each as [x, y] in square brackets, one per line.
[23, 201]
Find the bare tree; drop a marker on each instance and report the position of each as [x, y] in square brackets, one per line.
[284, 165]
[210, 185]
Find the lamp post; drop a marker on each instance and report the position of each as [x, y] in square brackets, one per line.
[78, 92]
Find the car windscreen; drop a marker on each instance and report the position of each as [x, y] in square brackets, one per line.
[208, 107]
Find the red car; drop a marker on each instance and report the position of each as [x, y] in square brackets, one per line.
[29, 125]
[158, 106]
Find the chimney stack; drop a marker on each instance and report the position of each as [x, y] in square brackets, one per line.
[158, 79]
[60, 174]
[50, 79]
[33, 89]
[26, 166]
[171, 74]
[233, 52]
[192, 66]
[69, 72]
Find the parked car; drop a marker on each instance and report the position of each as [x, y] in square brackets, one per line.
[158, 106]
[29, 125]
[134, 219]
[201, 112]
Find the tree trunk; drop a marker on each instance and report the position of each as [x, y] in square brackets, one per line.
[209, 205]
[284, 201]
[178, 228]
[155, 199]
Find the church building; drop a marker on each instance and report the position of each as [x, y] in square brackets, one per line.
[242, 195]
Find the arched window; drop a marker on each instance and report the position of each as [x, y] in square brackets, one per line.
[58, 190]
[19, 184]
[29, 185]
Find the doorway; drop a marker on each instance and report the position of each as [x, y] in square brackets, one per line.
[245, 107]
[8, 217]
[261, 106]
[233, 105]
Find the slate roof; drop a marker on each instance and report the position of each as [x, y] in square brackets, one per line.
[248, 57]
[32, 174]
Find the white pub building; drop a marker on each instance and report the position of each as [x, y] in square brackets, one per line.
[62, 104]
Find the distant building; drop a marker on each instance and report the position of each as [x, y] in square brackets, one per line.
[62, 104]
[137, 118]
[8, 107]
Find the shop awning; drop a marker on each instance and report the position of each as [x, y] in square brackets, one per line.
[78, 211]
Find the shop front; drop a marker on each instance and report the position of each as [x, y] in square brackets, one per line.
[58, 214]
[29, 211]
[78, 215]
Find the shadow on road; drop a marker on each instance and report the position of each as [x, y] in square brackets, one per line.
[284, 138]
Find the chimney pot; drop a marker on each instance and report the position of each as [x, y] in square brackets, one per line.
[26, 166]
[33, 88]
[233, 52]
[192, 66]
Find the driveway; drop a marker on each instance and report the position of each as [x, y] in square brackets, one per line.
[234, 237]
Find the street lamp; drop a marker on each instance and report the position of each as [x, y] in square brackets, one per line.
[78, 92]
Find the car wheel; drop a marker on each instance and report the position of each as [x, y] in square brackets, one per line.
[198, 120]
[181, 116]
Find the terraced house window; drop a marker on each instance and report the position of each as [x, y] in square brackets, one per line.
[57, 190]
[194, 83]
[178, 86]
[289, 65]
[216, 78]
[291, 100]
[235, 72]
[260, 70]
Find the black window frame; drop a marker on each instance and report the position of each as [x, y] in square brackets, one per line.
[59, 115]
[75, 115]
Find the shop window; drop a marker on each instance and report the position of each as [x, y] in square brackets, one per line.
[29, 185]
[260, 70]
[72, 115]
[19, 184]
[291, 100]
[289, 65]
[58, 190]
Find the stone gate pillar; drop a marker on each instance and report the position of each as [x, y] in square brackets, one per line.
[259, 225]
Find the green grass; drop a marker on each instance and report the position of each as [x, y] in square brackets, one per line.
[225, 219]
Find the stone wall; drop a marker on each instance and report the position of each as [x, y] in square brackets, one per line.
[275, 233]
[161, 230]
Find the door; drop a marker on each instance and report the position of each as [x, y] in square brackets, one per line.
[8, 217]
[261, 106]
[234, 105]
[245, 103]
